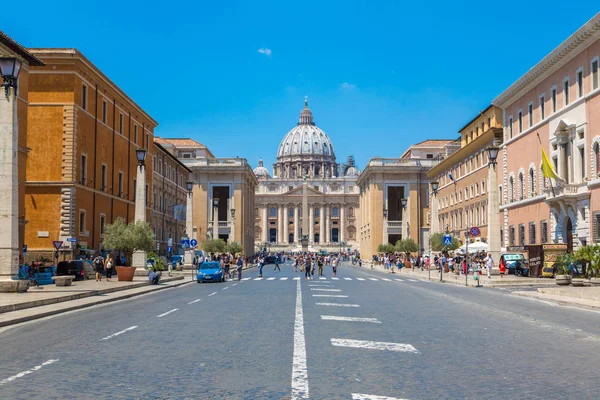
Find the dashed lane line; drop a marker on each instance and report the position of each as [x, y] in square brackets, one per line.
[235, 284]
[283, 279]
[212, 294]
[297, 278]
[226, 287]
[258, 279]
[335, 279]
[330, 295]
[167, 313]
[360, 396]
[373, 279]
[368, 344]
[119, 333]
[299, 369]
[326, 290]
[338, 305]
[399, 280]
[386, 279]
[347, 279]
[194, 301]
[245, 279]
[322, 278]
[349, 319]
[29, 371]
[361, 279]
[412, 280]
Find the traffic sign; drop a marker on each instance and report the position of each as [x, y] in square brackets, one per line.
[474, 231]
[193, 243]
[447, 240]
[24, 249]
[72, 240]
[57, 244]
[169, 249]
[185, 242]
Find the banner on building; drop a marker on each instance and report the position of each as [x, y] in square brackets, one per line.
[179, 211]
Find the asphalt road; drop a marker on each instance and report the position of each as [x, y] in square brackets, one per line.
[364, 335]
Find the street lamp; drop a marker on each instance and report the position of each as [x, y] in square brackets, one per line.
[189, 185]
[492, 154]
[216, 218]
[434, 187]
[494, 239]
[434, 219]
[141, 156]
[9, 69]
[232, 224]
[139, 257]
[189, 226]
[404, 202]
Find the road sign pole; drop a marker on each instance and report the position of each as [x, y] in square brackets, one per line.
[467, 261]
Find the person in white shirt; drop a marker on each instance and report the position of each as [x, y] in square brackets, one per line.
[489, 264]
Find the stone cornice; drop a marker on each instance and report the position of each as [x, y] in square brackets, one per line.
[565, 52]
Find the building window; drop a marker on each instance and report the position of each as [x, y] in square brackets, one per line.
[521, 186]
[532, 233]
[579, 78]
[544, 231]
[597, 158]
[84, 97]
[500, 195]
[542, 107]
[482, 187]
[596, 223]
[317, 212]
[103, 178]
[566, 91]
[121, 124]
[335, 212]
[511, 236]
[146, 195]
[120, 184]
[102, 223]
[510, 127]
[103, 111]
[520, 121]
[82, 222]
[272, 212]
[134, 188]
[531, 181]
[553, 99]
[84, 168]
[135, 134]
[595, 77]
[530, 112]
[351, 212]
[521, 235]
[511, 189]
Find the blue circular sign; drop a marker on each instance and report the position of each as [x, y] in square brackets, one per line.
[474, 231]
[193, 243]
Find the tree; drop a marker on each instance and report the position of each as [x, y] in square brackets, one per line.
[233, 248]
[385, 248]
[407, 246]
[128, 238]
[591, 255]
[214, 246]
[436, 240]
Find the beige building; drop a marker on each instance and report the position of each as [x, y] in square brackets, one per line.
[462, 199]
[383, 185]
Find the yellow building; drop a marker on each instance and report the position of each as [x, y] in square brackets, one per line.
[82, 133]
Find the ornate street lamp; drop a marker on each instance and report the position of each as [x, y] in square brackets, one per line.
[434, 187]
[404, 202]
[216, 202]
[385, 212]
[9, 69]
[492, 154]
[189, 185]
[233, 213]
[141, 156]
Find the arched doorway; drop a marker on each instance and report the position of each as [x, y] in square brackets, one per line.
[569, 235]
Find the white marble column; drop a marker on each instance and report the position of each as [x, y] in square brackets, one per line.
[311, 227]
[342, 223]
[188, 253]
[327, 224]
[265, 223]
[296, 224]
[405, 219]
[139, 257]
[286, 224]
[322, 224]
[494, 239]
[279, 224]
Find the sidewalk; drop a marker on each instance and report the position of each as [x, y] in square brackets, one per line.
[584, 297]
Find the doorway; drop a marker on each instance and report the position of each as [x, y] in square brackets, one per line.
[569, 235]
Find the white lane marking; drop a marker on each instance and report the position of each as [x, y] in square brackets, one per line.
[412, 280]
[348, 279]
[226, 287]
[234, 284]
[299, 370]
[167, 313]
[361, 279]
[335, 279]
[245, 279]
[399, 280]
[120, 332]
[271, 279]
[330, 295]
[338, 305]
[212, 294]
[297, 278]
[386, 279]
[283, 279]
[29, 371]
[360, 396]
[322, 278]
[258, 279]
[351, 319]
[194, 301]
[327, 290]
[367, 344]
[373, 279]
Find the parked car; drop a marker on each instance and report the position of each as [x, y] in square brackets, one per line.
[210, 272]
[80, 269]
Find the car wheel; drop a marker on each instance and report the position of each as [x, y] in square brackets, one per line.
[199, 281]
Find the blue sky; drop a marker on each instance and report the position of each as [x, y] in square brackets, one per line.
[379, 75]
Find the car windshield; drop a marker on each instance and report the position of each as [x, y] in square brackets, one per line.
[209, 266]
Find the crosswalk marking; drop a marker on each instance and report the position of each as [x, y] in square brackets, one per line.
[338, 305]
[327, 290]
[412, 280]
[347, 279]
[361, 279]
[297, 278]
[335, 279]
[322, 278]
[360, 396]
[399, 280]
[329, 295]
[271, 279]
[349, 319]
[283, 279]
[245, 279]
[386, 279]
[373, 279]
[367, 344]
[258, 279]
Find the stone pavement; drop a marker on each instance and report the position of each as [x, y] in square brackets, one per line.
[584, 297]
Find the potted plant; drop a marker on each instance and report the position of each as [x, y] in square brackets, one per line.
[591, 256]
[563, 262]
[128, 238]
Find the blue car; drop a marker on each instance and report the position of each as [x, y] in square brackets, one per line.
[210, 272]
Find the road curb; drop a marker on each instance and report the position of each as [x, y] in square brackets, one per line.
[20, 320]
[559, 300]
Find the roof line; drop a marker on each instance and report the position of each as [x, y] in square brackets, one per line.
[478, 115]
[171, 155]
[20, 50]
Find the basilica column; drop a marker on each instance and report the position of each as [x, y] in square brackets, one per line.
[286, 225]
[265, 223]
[322, 224]
[327, 224]
[342, 236]
[279, 224]
[311, 226]
[296, 223]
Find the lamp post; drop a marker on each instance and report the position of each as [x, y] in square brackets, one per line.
[494, 239]
[434, 219]
[232, 237]
[216, 218]
[404, 202]
[385, 228]
[189, 229]
[139, 257]
[9, 174]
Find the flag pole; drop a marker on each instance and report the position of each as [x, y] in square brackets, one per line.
[550, 179]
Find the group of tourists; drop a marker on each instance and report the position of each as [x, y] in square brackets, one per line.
[458, 264]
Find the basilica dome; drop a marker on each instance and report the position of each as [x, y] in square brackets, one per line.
[261, 171]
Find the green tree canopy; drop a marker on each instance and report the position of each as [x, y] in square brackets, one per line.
[214, 246]
[436, 240]
[591, 255]
[385, 248]
[234, 248]
[128, 238]
[407, 246]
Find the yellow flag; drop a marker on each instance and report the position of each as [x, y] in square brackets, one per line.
[547, 169]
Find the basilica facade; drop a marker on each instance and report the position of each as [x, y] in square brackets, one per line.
[306, 153]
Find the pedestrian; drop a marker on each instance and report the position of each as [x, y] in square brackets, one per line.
[260, 266]
[99, 267]
[277, 264]
[240, 264]
[489, 264]
[153, 277]
[502, 267]
[335, 265]
[108, 266]
[320, 264]
[360, 262]
[306, 267]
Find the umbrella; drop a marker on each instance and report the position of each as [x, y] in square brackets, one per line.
[474, 247]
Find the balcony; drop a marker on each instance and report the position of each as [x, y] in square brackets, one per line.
[567, 191]
[394, 227]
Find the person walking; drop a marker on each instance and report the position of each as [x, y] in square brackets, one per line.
[307, 267]
[240, 264]
[260, 266]
[335, 265]
[320, 264]
[277, 264]
[108, 266]
[489, 264]
[360, 262]
[99, 267]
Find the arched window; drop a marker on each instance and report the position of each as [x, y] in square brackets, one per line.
[532, 181]
[597, 158]
[511, 189]
[521, 186]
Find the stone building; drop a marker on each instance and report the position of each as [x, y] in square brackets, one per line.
[386, 184]
[82, 134]
[555, 106]
[306, 152]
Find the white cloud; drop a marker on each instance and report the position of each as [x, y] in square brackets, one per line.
[348, 86]
[265, 51]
